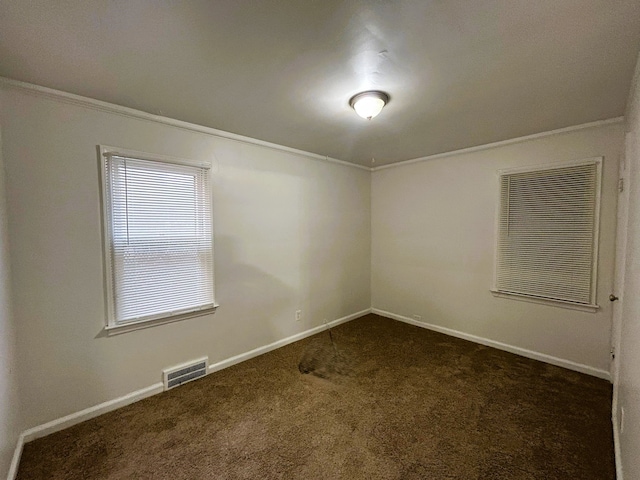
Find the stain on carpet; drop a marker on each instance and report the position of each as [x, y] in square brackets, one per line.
[392, 401]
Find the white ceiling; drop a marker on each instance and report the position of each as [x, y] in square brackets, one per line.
[460, 73]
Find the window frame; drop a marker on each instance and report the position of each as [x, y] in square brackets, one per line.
[593, 306]
[111, 325]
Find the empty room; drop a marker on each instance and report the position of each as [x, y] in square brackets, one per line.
[340, 239]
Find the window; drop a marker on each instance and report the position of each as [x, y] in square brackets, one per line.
[158, 237]
[547, 240]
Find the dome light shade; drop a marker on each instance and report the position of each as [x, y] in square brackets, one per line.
[369, 104]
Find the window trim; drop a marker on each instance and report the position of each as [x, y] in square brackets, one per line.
[591, 307]
[111, 327]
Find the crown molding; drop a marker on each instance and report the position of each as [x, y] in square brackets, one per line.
[503, 143]
[101, 106]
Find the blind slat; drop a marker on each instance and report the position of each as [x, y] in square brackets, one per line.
[161, 250]
[546, 233]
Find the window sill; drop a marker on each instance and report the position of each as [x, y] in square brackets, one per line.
[546, 301]
[111, 330]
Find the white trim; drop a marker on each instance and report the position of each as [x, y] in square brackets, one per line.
[285, 341]
[112, 327]
[599, 161]
[560, 362]
[553, 166]
[591, 307]
[622, 225]
[112, 330]
[75, 418]
[108, 151]
[101, 106]
[616, 445]
[523, 297]
[97, 410]
[503, 143]
[15, 461]
[89, 413]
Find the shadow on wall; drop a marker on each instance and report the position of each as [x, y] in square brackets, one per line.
[336, 236]
[252, 300]
[10, 406]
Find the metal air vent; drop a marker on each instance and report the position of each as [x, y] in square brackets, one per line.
[176, 376]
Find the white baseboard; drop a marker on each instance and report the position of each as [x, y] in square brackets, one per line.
[75, 418]
[91, 412]
[15, 461]
[616, 445]
[285, 341]
[560, 362]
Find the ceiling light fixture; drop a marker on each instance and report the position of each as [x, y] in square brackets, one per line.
[369, 104]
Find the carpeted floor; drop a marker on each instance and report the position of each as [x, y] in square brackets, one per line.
[395, 402]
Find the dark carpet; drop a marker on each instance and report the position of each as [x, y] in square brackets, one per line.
[389, 401]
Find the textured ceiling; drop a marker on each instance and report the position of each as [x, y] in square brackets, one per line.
[460, 73]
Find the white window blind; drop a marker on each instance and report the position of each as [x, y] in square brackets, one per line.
[159, 238]
[547, 233]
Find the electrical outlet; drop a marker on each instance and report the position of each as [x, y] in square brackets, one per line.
[298, 315]
[417, 317]
[622, 420]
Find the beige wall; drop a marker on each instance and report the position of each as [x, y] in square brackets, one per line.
[10, 421]
[628, 384]
[433, 234]
[291, 233]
